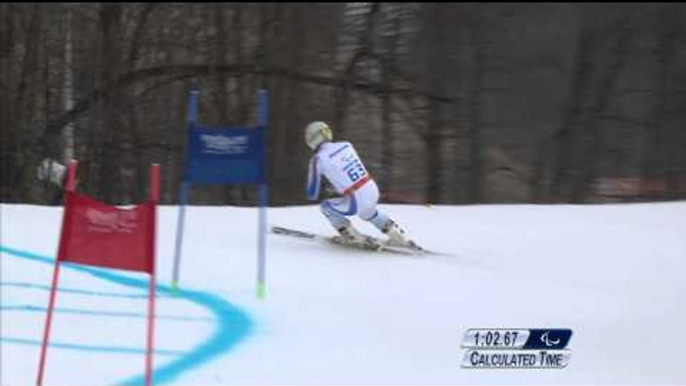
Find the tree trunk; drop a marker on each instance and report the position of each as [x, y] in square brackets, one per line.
[593, 130]
[564, 139]
[474, 134]
[658, 160]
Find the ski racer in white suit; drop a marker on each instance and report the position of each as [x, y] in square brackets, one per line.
[342, 167]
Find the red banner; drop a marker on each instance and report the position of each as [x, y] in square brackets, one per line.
[106, 236]
[101, 235]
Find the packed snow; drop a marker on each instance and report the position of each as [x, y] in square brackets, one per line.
[614, 274]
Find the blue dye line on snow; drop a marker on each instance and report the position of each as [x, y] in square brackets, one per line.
[233, 325]
[73, 291]
[72, 346]
[136, 315]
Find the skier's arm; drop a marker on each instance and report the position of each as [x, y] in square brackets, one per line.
[314, 179]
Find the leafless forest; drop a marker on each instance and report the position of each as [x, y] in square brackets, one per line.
[447, 103]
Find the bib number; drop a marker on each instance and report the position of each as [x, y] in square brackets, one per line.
[356, 172]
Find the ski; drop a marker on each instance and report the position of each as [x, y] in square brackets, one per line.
[369, 244]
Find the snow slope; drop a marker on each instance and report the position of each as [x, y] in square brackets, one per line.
[615, 274]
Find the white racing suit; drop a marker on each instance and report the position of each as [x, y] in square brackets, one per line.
[342, 167]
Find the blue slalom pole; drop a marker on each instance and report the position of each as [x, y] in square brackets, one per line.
[262, 241]
[263, 198]
[193, 106]
[185, 192]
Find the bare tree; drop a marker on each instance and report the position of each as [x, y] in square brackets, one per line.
[593, 136]
[445, 96]
[659, 158]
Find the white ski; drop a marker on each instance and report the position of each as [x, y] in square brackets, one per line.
[369, 244]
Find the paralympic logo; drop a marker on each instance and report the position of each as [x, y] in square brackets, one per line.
[546, 339]
[549, 338]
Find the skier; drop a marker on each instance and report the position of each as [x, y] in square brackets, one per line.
[342, 167]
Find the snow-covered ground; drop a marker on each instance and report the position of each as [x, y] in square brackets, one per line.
[614, 274]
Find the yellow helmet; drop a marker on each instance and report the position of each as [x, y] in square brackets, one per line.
[316, 133]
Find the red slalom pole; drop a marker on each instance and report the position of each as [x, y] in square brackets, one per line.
[154, 198]
[151, 331]
[48, 322]
[71, 186]
[71, 179]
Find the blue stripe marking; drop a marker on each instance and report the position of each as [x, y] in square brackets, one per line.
[340, 149]
[233, 324]
[73, 291]
[99, 349]
[351, 211]
[135, 315]
[376, 213]
[314, 182]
